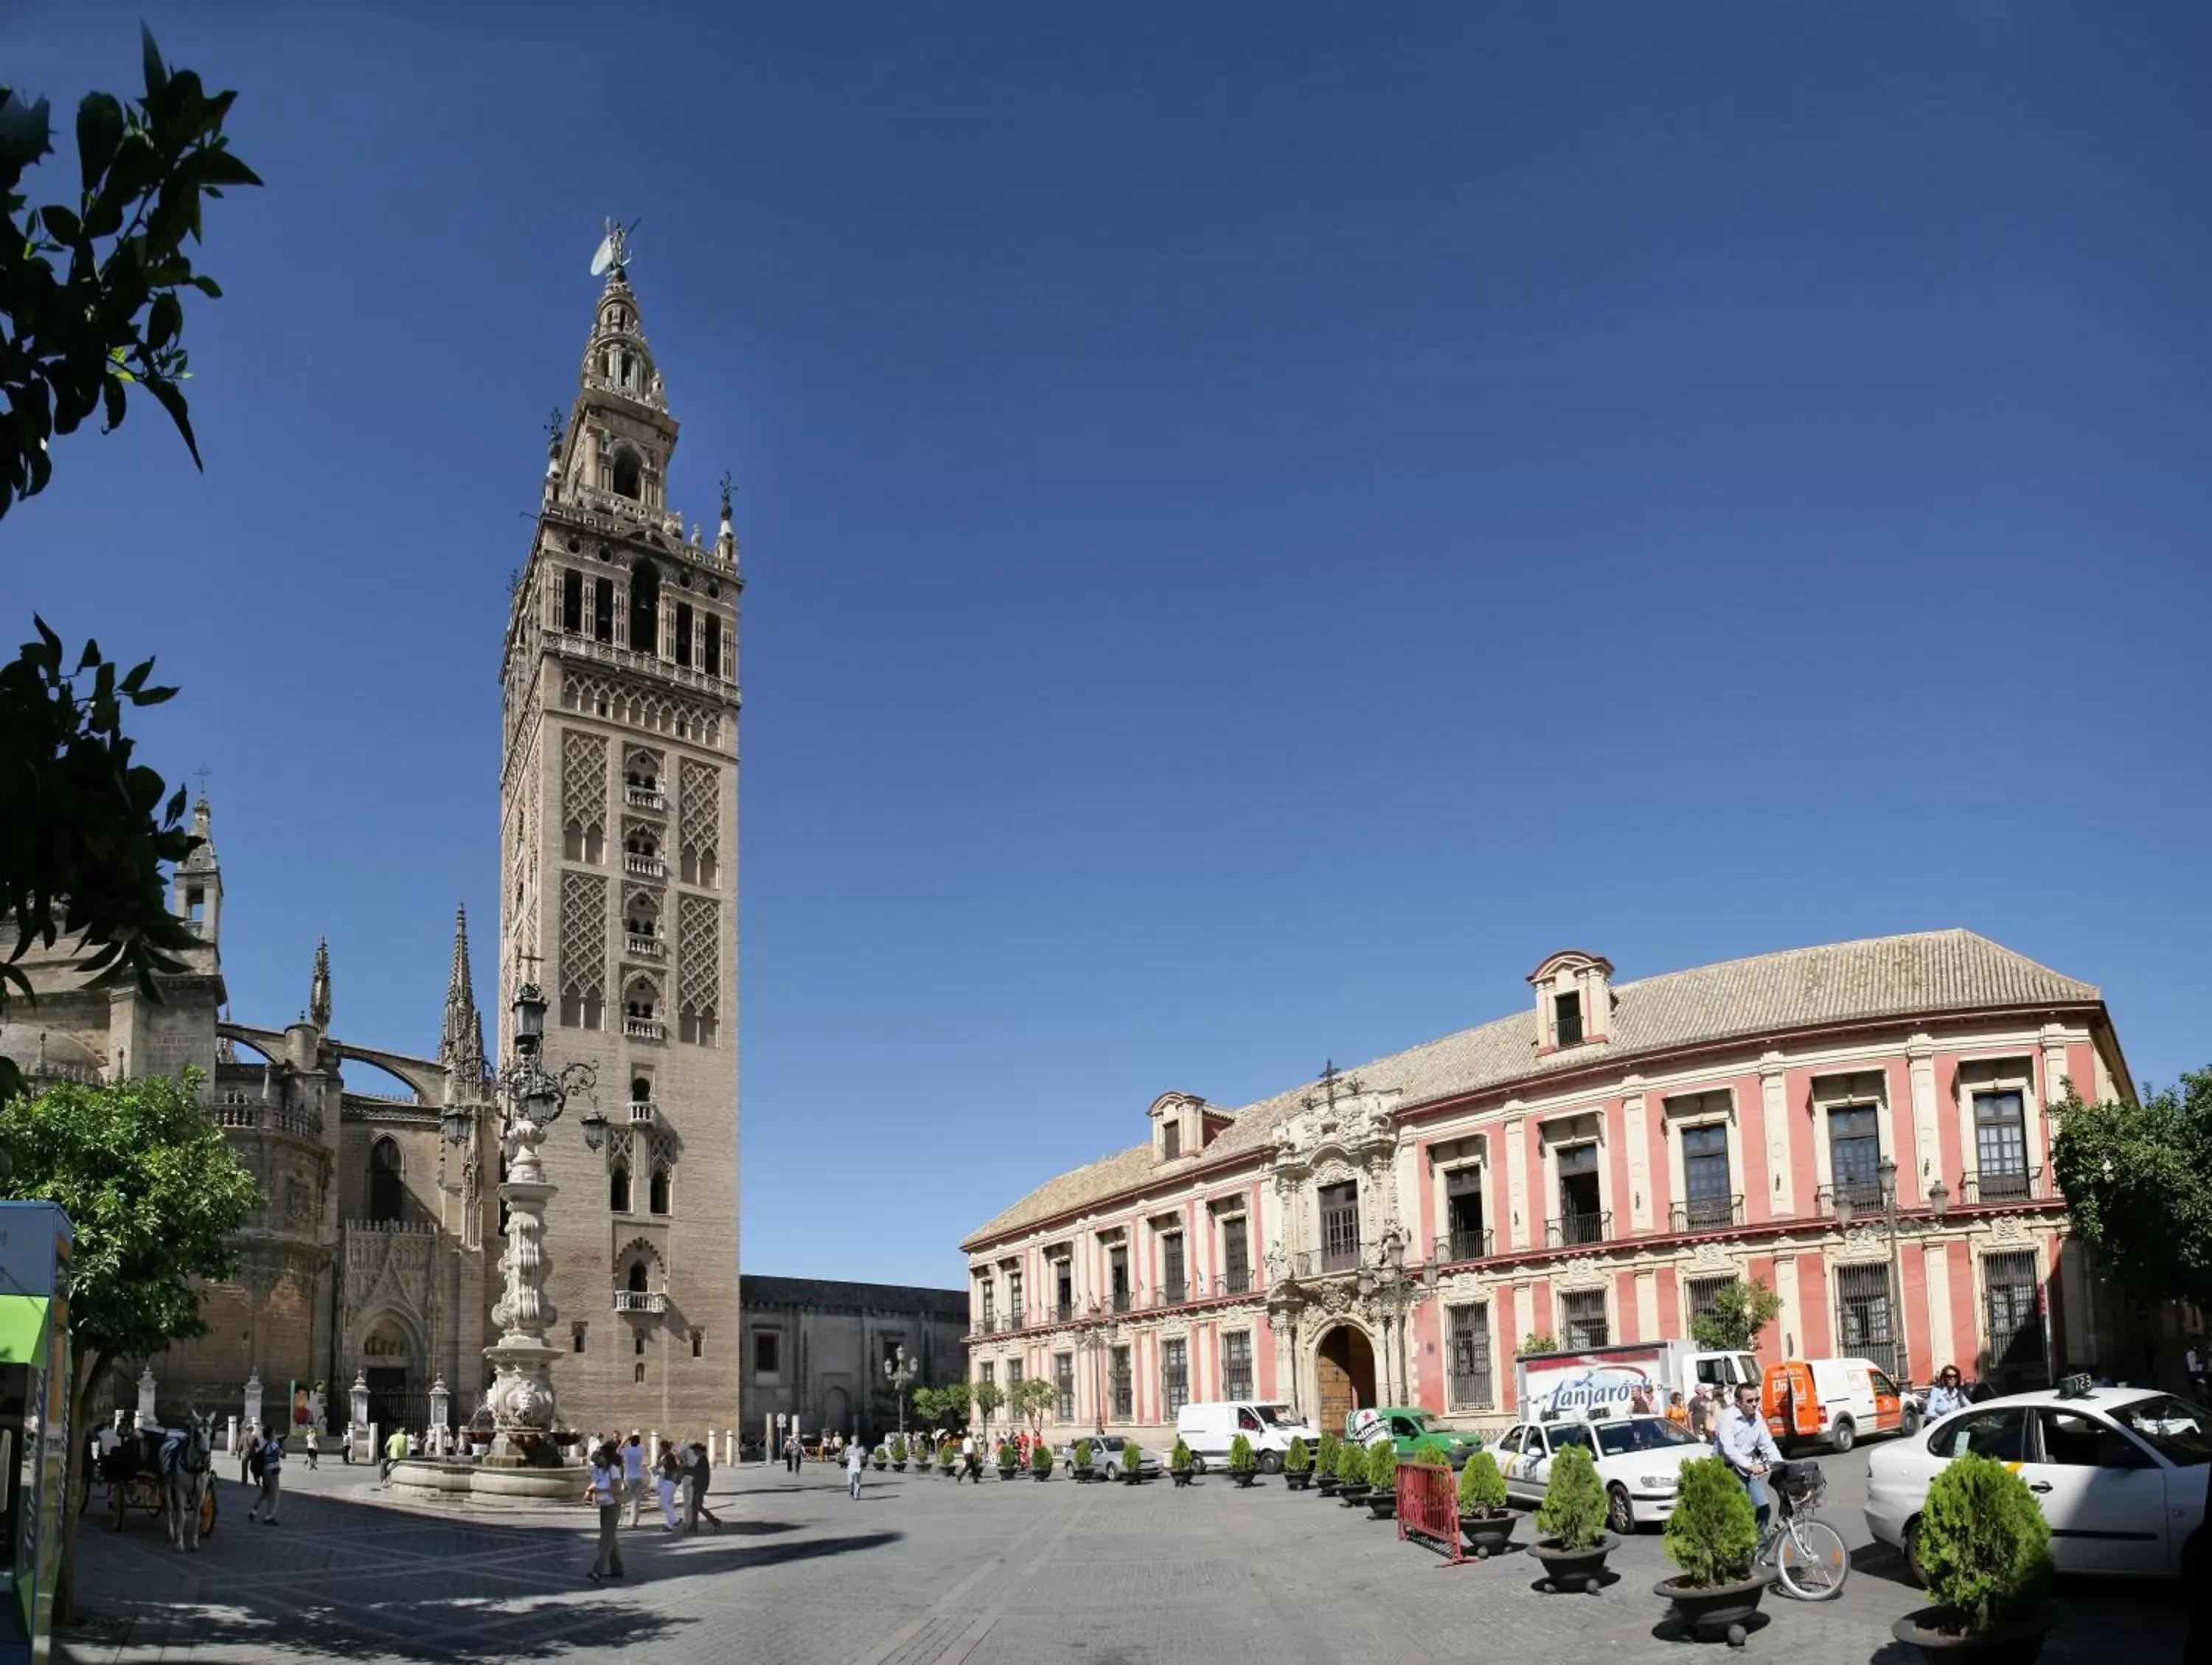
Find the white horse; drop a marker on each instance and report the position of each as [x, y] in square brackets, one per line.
[187, 1458]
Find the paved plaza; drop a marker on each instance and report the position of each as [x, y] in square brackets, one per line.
[921, 1572]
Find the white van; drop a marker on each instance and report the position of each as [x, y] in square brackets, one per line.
[1208, 1427]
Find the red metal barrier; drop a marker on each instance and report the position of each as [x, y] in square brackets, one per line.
[1428, 1506]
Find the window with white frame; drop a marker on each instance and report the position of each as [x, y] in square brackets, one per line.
[1581, 1317]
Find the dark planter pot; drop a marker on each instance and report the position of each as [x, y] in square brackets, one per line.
[1488, 1534]
[898, 1468]
[1133, 1477]
[1718, 1612]
[881, 1464]
[1574, 1570]
[1243, 1476]
[2017, 1643]
[1297, 1478]
[1039, 1473]
[1008, 1471]
[1182, 1477]
[1351, 1496]
[1383, 1505]
[1326, 1485]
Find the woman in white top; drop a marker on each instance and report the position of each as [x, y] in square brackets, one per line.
[605, 1495]
[852, 1461]
[664, 1474]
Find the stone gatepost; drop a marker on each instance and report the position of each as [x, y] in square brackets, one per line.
[146, 1418]
[357, 1412]
[441, 1400]
[253, 1402]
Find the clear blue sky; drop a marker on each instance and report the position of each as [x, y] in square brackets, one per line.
[1260, 523]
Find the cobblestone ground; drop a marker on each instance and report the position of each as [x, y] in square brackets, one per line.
[922, 1572]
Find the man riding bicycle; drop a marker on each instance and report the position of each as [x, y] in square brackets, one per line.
[1743, 1440]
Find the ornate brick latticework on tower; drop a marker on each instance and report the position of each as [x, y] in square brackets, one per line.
[618, 807]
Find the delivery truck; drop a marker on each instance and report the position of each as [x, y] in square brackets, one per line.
[1624, 1379]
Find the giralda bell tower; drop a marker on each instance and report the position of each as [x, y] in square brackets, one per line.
[618, 815]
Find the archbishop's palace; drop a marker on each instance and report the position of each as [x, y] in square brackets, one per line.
[375, 1253]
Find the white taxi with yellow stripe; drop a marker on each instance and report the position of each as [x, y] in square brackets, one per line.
[2120, 1473]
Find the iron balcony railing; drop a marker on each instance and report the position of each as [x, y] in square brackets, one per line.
[987, 1324]
[1570, 1229]
[1865, 1196]
[2000, 1185]
[1063, 1312]
[1237, 1280]
[1704, 1213]
[1170, 1295]
[1014, 1316]
[1464, 1244]
[1121, 1301]
[1471, 1391]
[1340, 1259]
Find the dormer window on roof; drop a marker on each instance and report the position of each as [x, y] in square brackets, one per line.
[1179, 1126]
[1574, 999]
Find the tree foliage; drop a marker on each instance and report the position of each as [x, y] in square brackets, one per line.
[1713, 1533]
[1573, 1509]
[91, 297]
[1481, 1485]
[1740, 1310]
[1984, 1541]
[1539, 1341]
[2137, 1179]
[91, 305]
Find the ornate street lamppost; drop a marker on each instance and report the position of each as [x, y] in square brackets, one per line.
[900, 1373]
[522, 1404]
[1098, 1332]
[1939, 1202]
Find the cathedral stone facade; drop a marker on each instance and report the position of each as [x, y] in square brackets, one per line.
[373, 1256]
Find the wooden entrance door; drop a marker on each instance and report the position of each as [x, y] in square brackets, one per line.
[1344, 1370]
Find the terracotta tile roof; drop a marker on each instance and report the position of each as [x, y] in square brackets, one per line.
[1925, 973]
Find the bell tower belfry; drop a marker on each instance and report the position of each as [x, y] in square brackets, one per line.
[619, 817]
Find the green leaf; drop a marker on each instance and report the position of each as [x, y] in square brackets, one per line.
[157, 74]
[98, 131]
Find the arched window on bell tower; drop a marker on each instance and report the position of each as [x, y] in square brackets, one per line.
[387, 1183]
[645, 608]
[629, 474]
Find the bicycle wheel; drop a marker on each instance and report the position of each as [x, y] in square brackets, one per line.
[1812, 1561]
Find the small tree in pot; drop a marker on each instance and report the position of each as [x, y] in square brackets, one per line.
[899, 1453]
[1082, 1457]
[882, 1457]
[1986, 1548]
[1008, 1461]
[1484, 1518]
[1325, 1467]
[1351, 1472]
[1040, 1461]
[1382, 1478]
[1713, 1537]
[1133, 1462]
[1573, 1516]
[1297, 1464]
[1243, 1466]
[1179, 1462]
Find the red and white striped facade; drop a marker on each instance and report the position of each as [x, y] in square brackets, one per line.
[1524, 1179]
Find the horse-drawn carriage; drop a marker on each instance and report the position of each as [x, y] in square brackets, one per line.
[165, 1471]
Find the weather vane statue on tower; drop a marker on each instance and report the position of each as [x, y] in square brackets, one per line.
[613, 253]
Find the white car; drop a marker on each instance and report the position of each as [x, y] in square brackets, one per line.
[2119, 1473]
[1639, 1458]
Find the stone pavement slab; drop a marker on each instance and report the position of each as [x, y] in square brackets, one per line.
[923, 1571]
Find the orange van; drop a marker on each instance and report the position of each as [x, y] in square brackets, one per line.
[1832, 1401]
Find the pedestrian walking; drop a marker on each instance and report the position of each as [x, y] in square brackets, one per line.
[268, 1457]
[395, 1452]
[852, 1470]
[604, 1493]
[2194, 1361]
[248, 1438]
[792, 1450]
[633, 1463]
[345, 1451]
[314, 1449]
[1947, 1396]
[664, 1482]
[701, 1472]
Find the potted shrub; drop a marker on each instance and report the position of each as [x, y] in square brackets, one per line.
[899, 1453]
[1325, 1467]
[1985, 1548]
[1713, 1537]
[882, 1457]
[1382, 1478]
[1179, 1462]
[1008, 1462]
[1083, 1470]
[1351, 1472]
[1040, 1461]
[948, 1459]
[1243, 1466]
[1484, 1520]
[1133, 1462]
[1297, 1464]
[1573, 1517]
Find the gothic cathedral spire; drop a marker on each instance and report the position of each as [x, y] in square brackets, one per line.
[460, 1049]
[319, 988]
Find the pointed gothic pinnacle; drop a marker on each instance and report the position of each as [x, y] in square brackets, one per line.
[318, 990]
[458, 986]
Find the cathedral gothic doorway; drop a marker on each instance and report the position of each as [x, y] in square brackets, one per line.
[1344, 1371]
[395, 1399]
